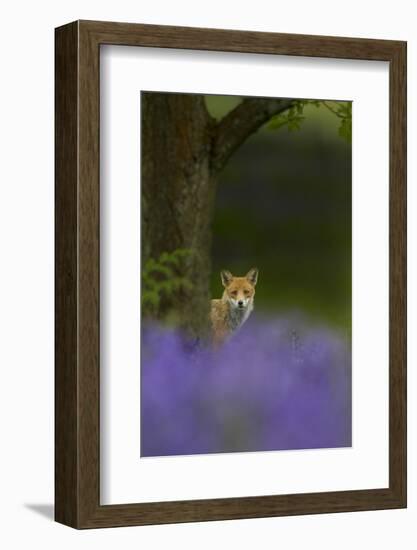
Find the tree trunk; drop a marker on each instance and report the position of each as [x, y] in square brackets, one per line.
[177, 196]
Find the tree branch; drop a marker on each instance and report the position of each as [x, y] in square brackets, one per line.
[240, 123]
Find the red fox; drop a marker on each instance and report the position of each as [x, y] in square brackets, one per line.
[229, 313]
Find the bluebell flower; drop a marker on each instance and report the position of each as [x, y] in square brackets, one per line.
[277, 384]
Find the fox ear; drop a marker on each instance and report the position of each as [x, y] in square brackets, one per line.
[226, 277]
[252, 276]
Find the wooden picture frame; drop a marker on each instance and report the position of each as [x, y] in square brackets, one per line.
[77, 373]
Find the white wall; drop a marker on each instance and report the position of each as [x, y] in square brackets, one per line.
[26, 288]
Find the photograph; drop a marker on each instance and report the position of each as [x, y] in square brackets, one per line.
[245, 275]
[208, 275]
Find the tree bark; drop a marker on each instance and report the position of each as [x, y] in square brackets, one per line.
[182, 150]
[177, 195]
[240, 123]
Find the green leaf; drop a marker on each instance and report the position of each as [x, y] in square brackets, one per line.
[345, 129]
[150, 298]
[163, 277]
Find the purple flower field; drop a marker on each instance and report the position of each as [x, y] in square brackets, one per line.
[278, 384]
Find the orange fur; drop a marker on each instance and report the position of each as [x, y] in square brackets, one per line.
[228, 313]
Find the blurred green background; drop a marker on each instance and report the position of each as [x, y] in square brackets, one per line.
[284, 205]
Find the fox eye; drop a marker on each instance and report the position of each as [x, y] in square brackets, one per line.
[234, 293]
[246, 292]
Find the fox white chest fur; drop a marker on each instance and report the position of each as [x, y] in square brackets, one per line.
[239, 315]
[231, 311]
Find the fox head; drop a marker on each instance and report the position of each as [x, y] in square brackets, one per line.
[240, 291]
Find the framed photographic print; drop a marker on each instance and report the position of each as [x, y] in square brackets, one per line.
[230, 274]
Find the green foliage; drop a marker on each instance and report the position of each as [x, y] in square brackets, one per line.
[291, 118]
[343, 110]
[163, 277]
[294, 116]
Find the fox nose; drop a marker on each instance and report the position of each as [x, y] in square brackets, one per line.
[240, 303]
